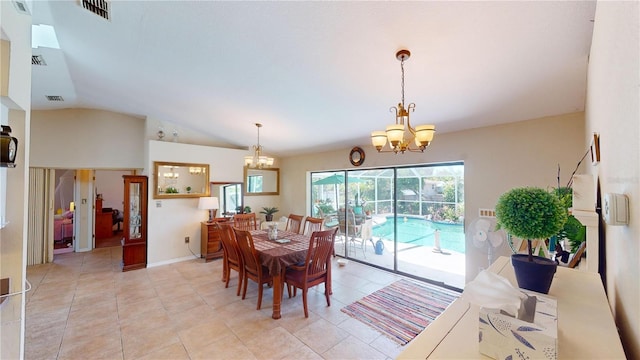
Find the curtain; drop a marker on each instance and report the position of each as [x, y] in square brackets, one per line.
[40, 223]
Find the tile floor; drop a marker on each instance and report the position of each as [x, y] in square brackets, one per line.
[83, 307]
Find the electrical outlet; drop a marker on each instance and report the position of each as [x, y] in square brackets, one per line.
[186, 239]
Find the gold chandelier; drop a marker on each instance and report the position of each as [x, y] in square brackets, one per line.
[401, 133]
[257, 160]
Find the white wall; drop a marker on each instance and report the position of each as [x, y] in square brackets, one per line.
[170, 220]
[15, 28]
[613, 110]
[87, 139]
[496, 159]
[109, 183]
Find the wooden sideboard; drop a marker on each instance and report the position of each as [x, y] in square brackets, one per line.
[210, 243]
[586, 329]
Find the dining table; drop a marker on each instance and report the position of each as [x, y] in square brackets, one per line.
[288, 249]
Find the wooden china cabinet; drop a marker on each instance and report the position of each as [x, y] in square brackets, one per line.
[134, 243]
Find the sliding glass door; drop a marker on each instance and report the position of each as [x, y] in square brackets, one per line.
[404, 219]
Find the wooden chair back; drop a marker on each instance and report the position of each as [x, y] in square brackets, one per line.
[319, 256]
[253, 269]
[245, 221]
[312, 224]
[316, 268]
[232, 258]
[294, 223]
[248, 252]
[229, 244]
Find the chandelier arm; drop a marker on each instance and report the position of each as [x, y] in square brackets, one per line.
[410, 108]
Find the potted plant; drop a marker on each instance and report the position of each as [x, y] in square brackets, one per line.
[268, 213]
[247, 209]
[531, 213]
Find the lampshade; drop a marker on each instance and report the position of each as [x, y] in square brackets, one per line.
[208, 203]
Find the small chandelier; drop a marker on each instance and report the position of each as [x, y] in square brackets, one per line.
[401, 133]
[258, 161]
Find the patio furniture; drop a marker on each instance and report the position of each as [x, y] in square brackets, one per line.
[351, 227]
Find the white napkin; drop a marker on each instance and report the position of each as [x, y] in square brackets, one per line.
[492, 291]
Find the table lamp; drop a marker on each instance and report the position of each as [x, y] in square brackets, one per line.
[209, 203]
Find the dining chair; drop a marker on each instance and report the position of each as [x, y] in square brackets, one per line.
[245, 221]
[312, 224]
[316, 268]
[253, 269]
[293, 223]
[232, 260]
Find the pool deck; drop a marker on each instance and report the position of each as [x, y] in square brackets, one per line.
[422, 261]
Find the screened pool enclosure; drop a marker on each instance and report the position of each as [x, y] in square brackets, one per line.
[403, 219]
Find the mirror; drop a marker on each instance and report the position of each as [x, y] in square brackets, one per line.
[180, 180]
[261, 181]
[230, 196]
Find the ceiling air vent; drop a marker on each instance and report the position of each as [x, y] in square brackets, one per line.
[38, 60]
[54, 98]
[21, 6]
[98, 7]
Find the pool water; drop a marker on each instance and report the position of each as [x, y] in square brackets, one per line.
[420, 232]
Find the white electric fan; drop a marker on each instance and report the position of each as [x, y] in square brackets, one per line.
[483, 234]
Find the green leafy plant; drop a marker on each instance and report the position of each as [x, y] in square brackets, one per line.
[171, 190]
[573, 230]
[269, 210]
[530, 213]
[247, 209]
[325, 207]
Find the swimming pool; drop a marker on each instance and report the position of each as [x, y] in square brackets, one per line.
[420, 232]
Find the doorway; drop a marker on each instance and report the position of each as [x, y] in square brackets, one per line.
[63, 211]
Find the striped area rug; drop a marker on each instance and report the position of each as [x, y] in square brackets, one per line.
[403, 309]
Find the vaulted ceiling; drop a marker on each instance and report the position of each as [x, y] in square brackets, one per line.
[318, 75]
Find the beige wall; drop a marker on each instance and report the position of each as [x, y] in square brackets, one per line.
[496, 159]
[16, 106]
[170, 220]
[87, 139]
[613, 110]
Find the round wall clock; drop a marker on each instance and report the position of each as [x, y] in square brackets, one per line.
[356, 156]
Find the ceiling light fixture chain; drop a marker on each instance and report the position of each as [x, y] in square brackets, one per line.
[395, 133]
[257, 160]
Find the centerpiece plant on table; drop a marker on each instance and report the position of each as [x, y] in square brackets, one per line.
[531, 213]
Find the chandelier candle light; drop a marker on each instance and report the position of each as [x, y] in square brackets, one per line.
[399, 139]
[258, 161]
